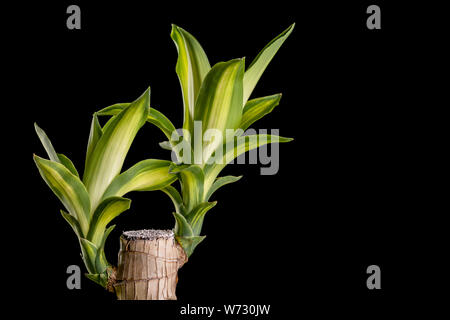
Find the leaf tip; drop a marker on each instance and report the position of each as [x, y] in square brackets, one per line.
[175, 29]
[37, 129]
[127, 203]
[144, 100]
[147, 92]
[278, 97]
[289, 30]
[36, 158]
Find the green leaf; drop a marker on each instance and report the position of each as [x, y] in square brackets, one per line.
[234, 149]
[259, 64]
[72, 221]
[257, 108]
[189, 243]
[68, 164]
[106, 160]
[105, 236]
[191, 178]
[100, 261]
[155, 117]
[47, 144]
[101, 279]
[106, 211]
[53, 156]
[89, 251]
[175, 196]
[163, 123]
[219, 183]
[182, 227]
[192, 67]
[219, 103]
[146, 175]
[94, 136]
[113, 110]
[195, 218]
[68, 188]
[166, 145]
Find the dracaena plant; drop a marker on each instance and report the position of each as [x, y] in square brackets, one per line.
[95, 200]
[216, 98]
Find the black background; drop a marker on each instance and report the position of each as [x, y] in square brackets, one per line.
[343, 199]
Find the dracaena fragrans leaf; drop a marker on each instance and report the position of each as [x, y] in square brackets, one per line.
[219, 183]
[73, 222]
[182, 226]
[262, 60]
[53, 156]
[89, 251]
[257, 108]
[68, 188]
[47, 144]
[192, 67]
[189, 243]
[219, 105]
[185, 235]
[195, 217]
[162, 122]
[100, 260]
[191, 179]
[155, 117]
[147, 175]
[113, 110]
[94, 135]
[101, 279]
[106, 211]
[176, 198]
[106, 159]
[166, 145]
[68, 164]
[234, 149]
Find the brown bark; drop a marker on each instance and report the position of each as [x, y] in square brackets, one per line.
[147, 268]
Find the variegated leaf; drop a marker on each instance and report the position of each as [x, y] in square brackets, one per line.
[155, 117]
[106, 211]
[195, 217]
[219, 183]
[147, 175]
[219, 104]
[106, 160]
[89, 252]
[260, 63]
[68, 188]
[191, 179]
[192, 67]
[235, 148]
[257, 108]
